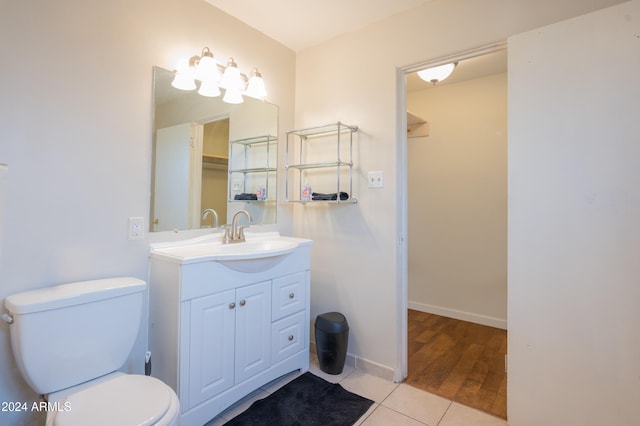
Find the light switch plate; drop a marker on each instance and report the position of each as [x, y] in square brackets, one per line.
[375, 179]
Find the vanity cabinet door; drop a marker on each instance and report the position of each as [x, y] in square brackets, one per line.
[253, 330]
[211, 344]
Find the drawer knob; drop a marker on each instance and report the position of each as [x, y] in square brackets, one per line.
[291, 337]
[232, 305]
[243, 302]
[291, 295]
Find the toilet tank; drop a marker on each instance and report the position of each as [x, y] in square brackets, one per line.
[68, 334]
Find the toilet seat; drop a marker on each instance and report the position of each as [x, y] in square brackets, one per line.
[122, 400]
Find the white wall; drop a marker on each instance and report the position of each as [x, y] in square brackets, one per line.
[75, 130]
[353, 78]
[574, 221]
[4, 170]
[457, 203]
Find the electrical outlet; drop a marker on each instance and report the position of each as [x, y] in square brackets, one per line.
[136, 228]
[375, 179]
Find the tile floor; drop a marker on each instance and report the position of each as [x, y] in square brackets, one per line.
[394, 404]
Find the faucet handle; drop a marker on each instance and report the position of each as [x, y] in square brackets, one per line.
[241, 234]
[226, 238]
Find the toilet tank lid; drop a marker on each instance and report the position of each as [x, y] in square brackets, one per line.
[65, 295]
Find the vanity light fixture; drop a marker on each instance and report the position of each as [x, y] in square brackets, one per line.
[232, 96]
[256, 88]
[232, 83]
[437, 74]
[183, 78]
[213, 76]
[206, 68]
[231, 78]
[209, 88]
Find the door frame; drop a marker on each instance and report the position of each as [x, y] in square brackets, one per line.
[401, 370]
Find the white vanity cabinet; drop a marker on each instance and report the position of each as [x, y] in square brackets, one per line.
[218, 333]
[228, 339]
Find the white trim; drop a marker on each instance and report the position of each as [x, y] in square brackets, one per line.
[459, 315]
[196, 136]
[373, 368]
[363, 364]
[402, 364]
[456, 57]
[213, 118]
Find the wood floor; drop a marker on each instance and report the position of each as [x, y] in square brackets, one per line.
[458, 360]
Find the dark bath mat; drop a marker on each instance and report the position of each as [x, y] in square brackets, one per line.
[307, 400]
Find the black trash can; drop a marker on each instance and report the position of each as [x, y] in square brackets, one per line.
[332, 337]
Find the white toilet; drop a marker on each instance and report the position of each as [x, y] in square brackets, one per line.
[70, 340]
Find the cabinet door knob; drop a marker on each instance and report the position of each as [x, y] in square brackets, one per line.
[232, 305]
[291, 295]
[291, 337]
[243, 302]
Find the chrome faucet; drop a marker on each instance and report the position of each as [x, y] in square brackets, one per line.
[235, 234]
[212, 212]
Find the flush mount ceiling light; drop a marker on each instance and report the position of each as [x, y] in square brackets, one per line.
[213, 76]
[437, 74]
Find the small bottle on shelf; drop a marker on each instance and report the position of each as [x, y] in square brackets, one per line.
[306, 192]
[261, 193]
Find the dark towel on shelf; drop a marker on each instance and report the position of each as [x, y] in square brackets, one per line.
[316, 196]
[245, 196]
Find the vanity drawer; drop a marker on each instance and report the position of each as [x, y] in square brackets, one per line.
[287, 337]
[288, 295]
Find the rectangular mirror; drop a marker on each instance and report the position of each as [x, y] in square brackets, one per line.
[208, 154]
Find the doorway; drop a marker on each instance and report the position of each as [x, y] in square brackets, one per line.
[454, 191]
[215, 161]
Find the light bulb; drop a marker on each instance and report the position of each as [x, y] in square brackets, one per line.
[256, 88]
[231, 78]
[209, 88]
[207, 68]
[233, 96]
[183, 79]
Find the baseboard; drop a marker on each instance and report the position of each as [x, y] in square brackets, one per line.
[368, 366]
[373, 368]
[460, 315]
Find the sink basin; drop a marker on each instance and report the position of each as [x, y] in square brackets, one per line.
[249, 256]
[256, 248]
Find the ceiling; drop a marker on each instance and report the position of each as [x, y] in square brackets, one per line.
[299, 24]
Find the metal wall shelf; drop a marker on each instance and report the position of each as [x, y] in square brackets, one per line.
[334, 149]
[252, 164]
